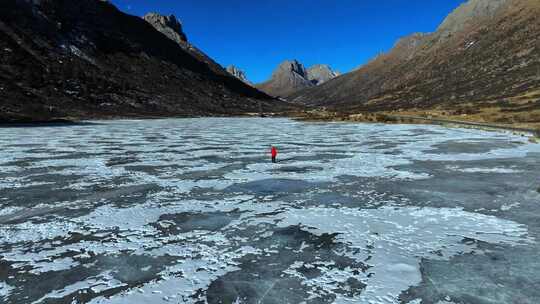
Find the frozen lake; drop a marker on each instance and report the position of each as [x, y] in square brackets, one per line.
[192, 211]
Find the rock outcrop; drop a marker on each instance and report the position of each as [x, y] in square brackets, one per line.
[87, 59]
[288, 78]
[484, 52]
[171, 27]
[168, 25]
[236, 72]
[321, 73]
[291, 77]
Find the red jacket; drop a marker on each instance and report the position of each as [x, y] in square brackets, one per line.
[274, 152]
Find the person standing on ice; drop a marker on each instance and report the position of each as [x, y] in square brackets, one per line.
[274, 153]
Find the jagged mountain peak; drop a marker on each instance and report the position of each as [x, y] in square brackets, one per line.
[238, 73]
[292, 76]
[171, 27]
[168, 25]
[321, 73]
[289, 77]
[291, 66]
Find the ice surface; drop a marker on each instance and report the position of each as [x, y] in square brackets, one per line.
[400, 238]
[5, 290]
[192, 211]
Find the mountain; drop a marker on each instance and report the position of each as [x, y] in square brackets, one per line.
[484, 53]
[168, 25]
[321, 73]
[236, 72]
[171, 27]
[291, 77]
[86, 59]
[467, 13]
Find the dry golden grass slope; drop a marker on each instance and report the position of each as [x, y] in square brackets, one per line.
[483, 62]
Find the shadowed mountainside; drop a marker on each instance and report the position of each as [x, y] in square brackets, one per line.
[86, 59]
[485, 54]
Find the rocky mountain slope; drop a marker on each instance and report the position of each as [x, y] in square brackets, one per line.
[171, 27]
[485, 54]
[236, 72]
[291, 77]
[168, 25]
[86, 59]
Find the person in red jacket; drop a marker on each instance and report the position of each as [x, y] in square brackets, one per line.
[274, 154]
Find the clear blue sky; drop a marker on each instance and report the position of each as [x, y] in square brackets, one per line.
[256, 35]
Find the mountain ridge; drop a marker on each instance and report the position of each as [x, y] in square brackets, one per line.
[321, 73]
[87, 59]
[493, 54]
[171, 27]
[292, 76]
[238, 73]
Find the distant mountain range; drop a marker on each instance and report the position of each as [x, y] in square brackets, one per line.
[291, 77]
[485, 54]
[86, 59]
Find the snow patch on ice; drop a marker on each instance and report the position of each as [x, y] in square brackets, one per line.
[6, 211]
[401, 237]
[484, 170]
